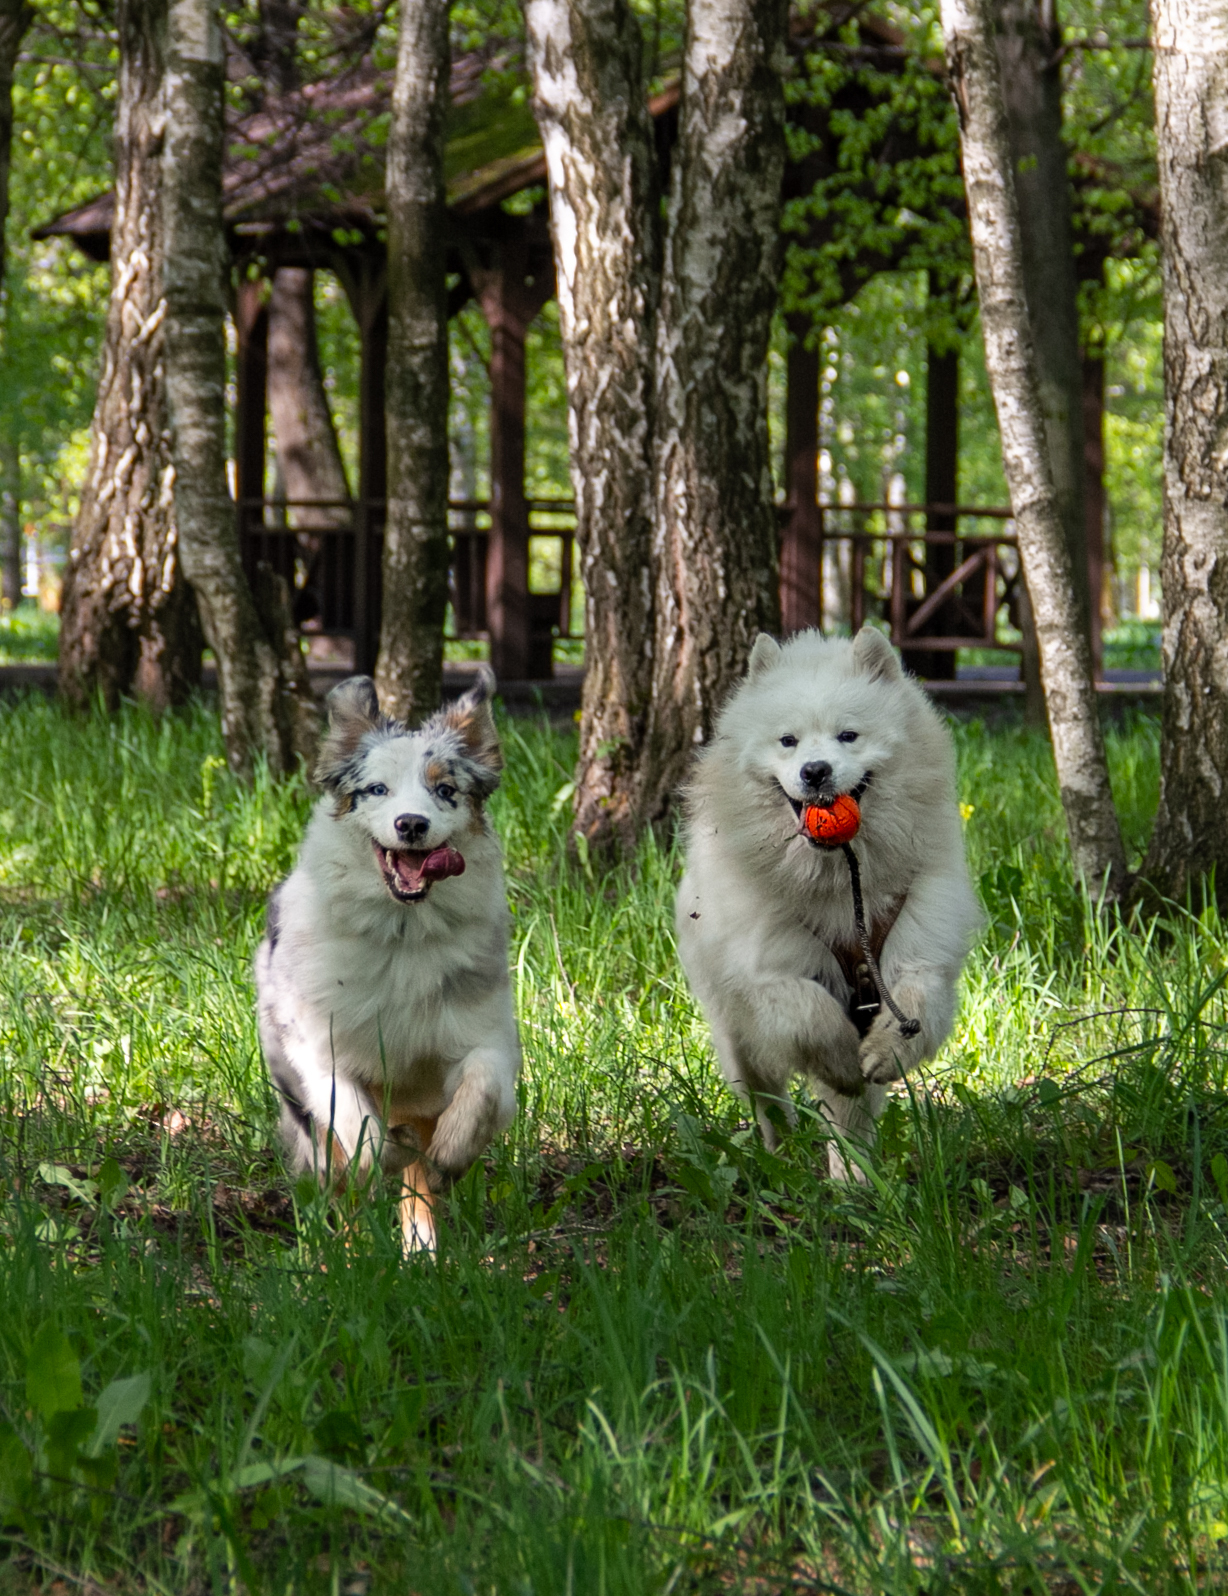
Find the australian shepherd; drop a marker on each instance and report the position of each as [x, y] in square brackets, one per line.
[385, 1004]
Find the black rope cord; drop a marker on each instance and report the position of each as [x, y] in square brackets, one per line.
[907, 1027]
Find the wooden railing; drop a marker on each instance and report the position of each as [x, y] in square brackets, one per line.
[937, 590]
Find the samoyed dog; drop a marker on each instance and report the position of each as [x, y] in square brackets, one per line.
[385, 1005]
[765, 915]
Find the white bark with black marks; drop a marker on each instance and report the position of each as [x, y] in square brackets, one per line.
[128, 620]
[259, 714]
[1065, 655]
[589, 98]
[1190, 840]
[409, 671]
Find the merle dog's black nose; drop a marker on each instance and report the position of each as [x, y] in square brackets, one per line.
[815, 774]
[412, 828]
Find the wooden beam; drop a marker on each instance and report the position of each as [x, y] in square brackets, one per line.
[251, 317]
[1093, 498]
[801, 543]
[941, 488]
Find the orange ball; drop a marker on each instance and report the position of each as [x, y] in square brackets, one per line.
[831, 826]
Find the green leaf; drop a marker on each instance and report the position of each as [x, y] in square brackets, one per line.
[1162, 1176]
[1219, 1173]
[112, 1182]
[341, 1487]
[1048, 1092]
[16, 1469]
[339, 1434]
[53, 1373]
[67, 1432]
[120, 1403]
[85, 1191]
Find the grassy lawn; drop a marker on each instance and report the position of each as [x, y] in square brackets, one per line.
[650, 1357]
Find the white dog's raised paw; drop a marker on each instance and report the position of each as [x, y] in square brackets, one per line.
[884, 1057]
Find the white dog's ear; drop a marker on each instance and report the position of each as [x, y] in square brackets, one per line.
[353, 711]
[763, 655]
[873, 656]
[471, 719]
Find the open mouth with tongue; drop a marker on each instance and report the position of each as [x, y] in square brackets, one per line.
[410, 872]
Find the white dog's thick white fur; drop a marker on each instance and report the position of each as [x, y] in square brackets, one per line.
[385, 1005]
[765, 918]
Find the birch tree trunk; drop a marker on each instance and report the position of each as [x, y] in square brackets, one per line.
[1190, 840]
[409, 671]
[1065, 656]
[10, 519]
[715, 533]
[260, 715]
[589, 98]
[128, 620]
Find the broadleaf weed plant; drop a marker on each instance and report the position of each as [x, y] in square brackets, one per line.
[651, 1356]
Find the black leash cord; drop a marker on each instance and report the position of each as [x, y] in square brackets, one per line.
[907, 1027]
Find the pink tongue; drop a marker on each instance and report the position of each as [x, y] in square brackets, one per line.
[442, 862]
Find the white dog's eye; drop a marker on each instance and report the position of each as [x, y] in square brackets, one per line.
[445, 792]
[788, 742]
[846, 737]
[377, 790]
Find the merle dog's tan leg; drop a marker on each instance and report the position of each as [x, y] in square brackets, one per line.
[417, 1198]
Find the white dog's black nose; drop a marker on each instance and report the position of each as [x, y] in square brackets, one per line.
[411, 828]
[815, 773]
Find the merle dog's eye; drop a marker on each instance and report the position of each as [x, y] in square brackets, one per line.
[445, 792]
[788, 742]
[846, 737]
[377, 790]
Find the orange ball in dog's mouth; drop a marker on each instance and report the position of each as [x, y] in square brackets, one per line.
[832, 824]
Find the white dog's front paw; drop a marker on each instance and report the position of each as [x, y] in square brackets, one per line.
[885, 1054]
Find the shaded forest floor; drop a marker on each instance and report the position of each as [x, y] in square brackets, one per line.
[651, 1356]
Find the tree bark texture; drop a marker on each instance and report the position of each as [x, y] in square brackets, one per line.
[303, 431]
[1029, 40]
[10, 520]
[128, 621]
[409, 670]
[259, 713]
[1078, 743]
[665, 340]
[714, 548]
[589, 97]
[1190, 840]
[15, 17]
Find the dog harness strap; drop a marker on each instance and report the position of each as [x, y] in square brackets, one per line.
[864, 1001]
[907, 1027]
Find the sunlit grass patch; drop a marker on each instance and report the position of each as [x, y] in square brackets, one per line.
[651, 1356]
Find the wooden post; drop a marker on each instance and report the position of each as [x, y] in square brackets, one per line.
[941, 487]
[372, 470]
[801, 544]
[251, 317]
[509, 304]
[1093, 498]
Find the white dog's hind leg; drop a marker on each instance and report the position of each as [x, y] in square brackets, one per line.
[854, 1118]
[768, 1097]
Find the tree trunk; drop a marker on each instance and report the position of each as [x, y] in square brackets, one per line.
[15, 17]
[1029, 55]
[303, 430]
[1190, 840]
[589, 97]
[127, 618]
[259, 716]
[10, 519]
[1078, 743]
[715, 539]
[409, 671]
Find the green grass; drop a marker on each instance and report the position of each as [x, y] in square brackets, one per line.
[650, 1357]
[28, 633]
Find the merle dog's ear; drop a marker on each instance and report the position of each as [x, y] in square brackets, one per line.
[763, 655]
[873, 656]
[471, 719]
[353, 711]
[353, 700]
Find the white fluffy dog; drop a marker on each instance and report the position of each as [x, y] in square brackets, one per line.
[765, 917]
[384, 999]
